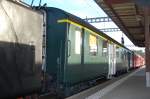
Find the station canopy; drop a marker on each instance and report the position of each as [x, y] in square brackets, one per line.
[129, 17]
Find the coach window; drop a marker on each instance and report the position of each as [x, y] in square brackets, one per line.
[121, 53]
[117, 51]
[104, 48]
[77, 41]
[93, 45]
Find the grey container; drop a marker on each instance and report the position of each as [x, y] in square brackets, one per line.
[20, 49]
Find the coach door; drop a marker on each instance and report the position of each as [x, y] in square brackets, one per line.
[74, 45]
[74, 68]
[112, 59]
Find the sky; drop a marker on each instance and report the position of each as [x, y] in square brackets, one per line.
[89, 9]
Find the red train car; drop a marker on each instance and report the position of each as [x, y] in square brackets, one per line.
[138, 61]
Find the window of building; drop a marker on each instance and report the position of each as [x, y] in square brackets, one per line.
[93, 45]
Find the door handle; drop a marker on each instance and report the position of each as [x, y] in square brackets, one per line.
[69, 48]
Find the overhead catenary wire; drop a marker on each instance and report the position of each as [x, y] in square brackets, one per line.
[122, 38]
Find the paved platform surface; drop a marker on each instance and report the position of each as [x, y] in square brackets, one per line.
[128, 86]
[132, 88]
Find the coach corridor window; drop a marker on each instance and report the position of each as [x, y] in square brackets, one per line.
[104, 48]
[117, 51]
[93, 45]
[77, 42]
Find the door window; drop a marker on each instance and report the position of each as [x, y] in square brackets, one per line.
[93, 45]
[77, 42]
[104, 48]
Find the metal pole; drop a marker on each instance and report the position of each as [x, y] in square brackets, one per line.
[32, 3]
[147, 45]
[40, 3]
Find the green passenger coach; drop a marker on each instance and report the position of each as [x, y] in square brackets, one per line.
[77, 54]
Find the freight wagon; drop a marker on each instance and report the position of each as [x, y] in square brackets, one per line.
[21, 31]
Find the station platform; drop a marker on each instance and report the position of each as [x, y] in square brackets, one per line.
[128, 86]
[133, 88]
